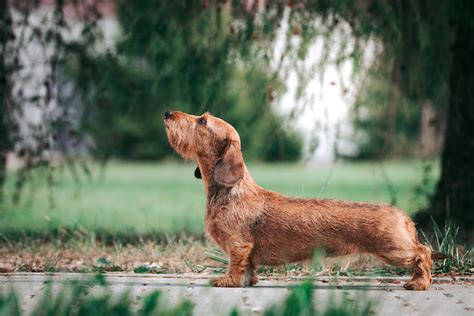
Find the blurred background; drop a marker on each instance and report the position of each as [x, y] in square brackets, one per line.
[356, 100]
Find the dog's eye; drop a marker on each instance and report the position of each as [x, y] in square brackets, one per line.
[202, 121]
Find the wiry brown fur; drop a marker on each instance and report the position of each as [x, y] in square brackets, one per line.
[255, 226]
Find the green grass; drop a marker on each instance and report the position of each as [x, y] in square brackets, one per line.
[166, 198]
[446, 240]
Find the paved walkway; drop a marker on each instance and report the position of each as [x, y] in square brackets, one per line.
[445, 297]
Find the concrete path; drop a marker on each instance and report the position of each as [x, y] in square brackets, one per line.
[445, 297]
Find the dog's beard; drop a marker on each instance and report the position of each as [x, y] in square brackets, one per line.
[179, 140]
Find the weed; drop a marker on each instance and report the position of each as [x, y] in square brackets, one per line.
[217, 255]
[301, 301]
[446, 240]
[104, 265]
[9, 304]
[74, 299]
[149, 268]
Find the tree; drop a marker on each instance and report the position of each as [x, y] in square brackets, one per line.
[430, 48]
[34, 47]
[172, 54]
[454, 196]
[5, 34]
[188, 56]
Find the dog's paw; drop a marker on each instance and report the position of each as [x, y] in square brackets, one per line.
[226, 281]
[417, 285]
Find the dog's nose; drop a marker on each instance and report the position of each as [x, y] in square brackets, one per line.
[168, 114]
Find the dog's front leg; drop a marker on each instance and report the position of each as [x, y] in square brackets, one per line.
[239, 267]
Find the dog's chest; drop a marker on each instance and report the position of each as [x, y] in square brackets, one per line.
[216, 225]
[217, 233]
[224, 223]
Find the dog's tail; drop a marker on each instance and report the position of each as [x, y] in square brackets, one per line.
[441, 256]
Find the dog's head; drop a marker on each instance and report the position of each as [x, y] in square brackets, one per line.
[211, 141]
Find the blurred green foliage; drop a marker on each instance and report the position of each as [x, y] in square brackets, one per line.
[216, 56]
[385, 127]
[181, 55]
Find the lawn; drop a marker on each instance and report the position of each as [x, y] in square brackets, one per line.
[144, 198]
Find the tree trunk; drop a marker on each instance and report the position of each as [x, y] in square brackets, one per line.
[5, 35]
[454, 196]
[432, 130]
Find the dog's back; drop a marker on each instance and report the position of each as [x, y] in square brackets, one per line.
[289, 229]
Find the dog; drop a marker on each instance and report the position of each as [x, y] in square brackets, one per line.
[255, 226]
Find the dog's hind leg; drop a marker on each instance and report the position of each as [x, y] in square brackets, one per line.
[239, 266]
[399, 246]
[420, 258]
[421, 270]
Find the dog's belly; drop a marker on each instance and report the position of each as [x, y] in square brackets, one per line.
[296, 250]
[278, 242]
[281, 257]
[285, 247]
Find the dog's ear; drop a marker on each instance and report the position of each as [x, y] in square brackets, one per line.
[230, 168]
[197, 173]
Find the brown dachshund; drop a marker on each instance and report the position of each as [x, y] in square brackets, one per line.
[255, 226]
